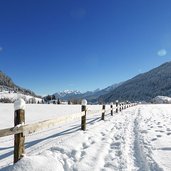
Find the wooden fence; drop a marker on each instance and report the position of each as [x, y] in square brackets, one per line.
[20, 129]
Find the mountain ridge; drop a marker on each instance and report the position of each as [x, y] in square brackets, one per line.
[143, 86]
[6, 83]
[91, 96]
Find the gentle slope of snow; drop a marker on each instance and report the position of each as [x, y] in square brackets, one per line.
[137, 138]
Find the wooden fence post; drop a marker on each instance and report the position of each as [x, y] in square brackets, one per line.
[111, 106]
[117, 106]
[83, 118]
[103, 112]
[120, 107]
[127, 103]
[124, 105]
[19, 139]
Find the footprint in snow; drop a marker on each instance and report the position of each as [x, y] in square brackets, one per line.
[154, 139]
[85, 145]
[83, 153]
[91, 140]
[165, 148]
[144, 132]
[103, 134]
[159, 131]
[159, 136]
[75, 154]
[115, 145]
[103, 139]
[110, 166]
[168, 129]
[117, 137]
[118, 153]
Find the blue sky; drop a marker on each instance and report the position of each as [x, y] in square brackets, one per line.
[53, 45]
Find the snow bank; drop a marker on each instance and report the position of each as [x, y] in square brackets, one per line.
[161, 100]
[43, 162]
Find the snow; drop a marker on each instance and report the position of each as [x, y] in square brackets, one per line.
[136, 139]
[161, 99]
[14, 96]
[19, 104]
[67, 92]
[84, 102]
[70, 92]
[46, 161]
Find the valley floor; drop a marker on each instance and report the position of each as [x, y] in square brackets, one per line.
[136, 139]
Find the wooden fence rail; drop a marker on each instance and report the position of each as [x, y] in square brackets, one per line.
[20, 129]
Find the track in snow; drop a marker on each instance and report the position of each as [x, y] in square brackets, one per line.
[124, 142]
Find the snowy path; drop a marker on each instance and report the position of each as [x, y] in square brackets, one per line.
[155, 130]
[102, 147]
[136, 139]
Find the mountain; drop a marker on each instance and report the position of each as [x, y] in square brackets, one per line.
[6, 81]
[143, 87]
[67, 93]
[7, 84]
[91, 96]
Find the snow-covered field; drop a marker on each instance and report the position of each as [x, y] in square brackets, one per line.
[138, 138]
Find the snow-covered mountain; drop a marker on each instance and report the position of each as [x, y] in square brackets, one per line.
[7, 84]
[63, 94]
[9, 91]
[91, 96]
